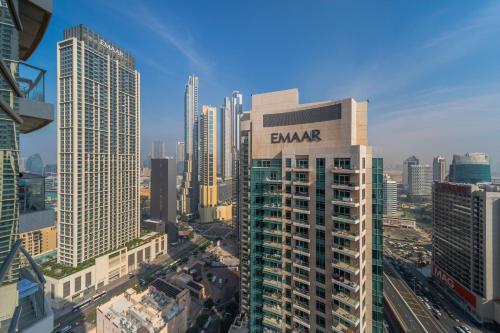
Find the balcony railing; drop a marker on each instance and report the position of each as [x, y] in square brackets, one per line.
[32, 82]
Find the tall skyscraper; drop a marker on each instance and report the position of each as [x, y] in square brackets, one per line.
[419, 182]
[179, 156]
[189, 188]
[466, 251]
[378, 200]
[412, 160]
[470, 168]
[98, 146]
[158, 150]
[23, 109]
[208, 164]
[164, 194]
[439, 169]
[226, 157]
[34, 164]
[390, 196]
[306, 189]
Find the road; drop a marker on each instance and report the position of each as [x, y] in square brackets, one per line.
[413, 313]
[70, 318]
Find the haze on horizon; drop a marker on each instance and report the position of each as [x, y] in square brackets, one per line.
[429, 70]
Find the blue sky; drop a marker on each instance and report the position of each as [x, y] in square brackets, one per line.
[429, 68]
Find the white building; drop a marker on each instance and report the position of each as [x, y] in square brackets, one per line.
[98, 140]
[163, 308]
[419, 181]
[158, 150]
[390, 189]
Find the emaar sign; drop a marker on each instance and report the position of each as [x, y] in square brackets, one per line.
[110, 47]
[308, 136]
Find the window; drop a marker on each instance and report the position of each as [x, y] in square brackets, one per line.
[320, 292]
[320, 277]
[66, 289]
[320, 321]
[320, 306]
[78, 283]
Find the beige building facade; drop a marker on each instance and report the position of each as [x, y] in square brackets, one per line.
[306, 230]
[208, 164]
[40, 241]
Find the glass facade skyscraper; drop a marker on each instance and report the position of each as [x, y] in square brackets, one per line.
[471, 168]
[98, 146]
[377, 244]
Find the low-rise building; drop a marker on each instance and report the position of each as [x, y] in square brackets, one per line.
[186, 281]
[70, 285]
[162, 308]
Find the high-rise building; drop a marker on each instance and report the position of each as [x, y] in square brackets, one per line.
[226, 158]
[466, 251]
[98, 146]
[306, 242]
[390, 196]
[208, 164]
[439, 169]
[164, 195]
[378, 200]
[50, 170]
[412, 160]
[158, 150]
[34, 164]
[190, 183]
[179, 156]
[22, 110]
[471, 168]
[420, 181]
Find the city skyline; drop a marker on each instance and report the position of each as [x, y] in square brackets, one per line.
[428, 93]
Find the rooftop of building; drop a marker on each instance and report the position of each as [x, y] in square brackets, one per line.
[471, 158]
[148, 311]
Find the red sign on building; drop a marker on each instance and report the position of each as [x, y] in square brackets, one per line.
[463, 292]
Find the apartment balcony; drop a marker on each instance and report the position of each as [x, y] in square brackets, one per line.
[274, 232]
[342, 282]
[35, 17]
[303, 182]
[346, 234]
[272, 270]
[303, 292]
[302, 250]
[351, 219]
[301, 278]
[353, 253]
[345, 201]
[350, 186]
[272, 257]
[271, 283]
[274, 309]
[272, 206]
[302, 264]
[346, 170]
[304, 322]
[349, 268]
[272, 245]
[272, 219]
[346, 299]
[271, 296]
[346, 315]
[301, 237]
[33, 109]
[338, 327]
[300, 223]
[302, 195]
[271, 321]
[302, 210]
[272, 180]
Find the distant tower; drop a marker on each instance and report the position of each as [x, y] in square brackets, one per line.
[412, 160]
[189, 189]
[208, 163]
[390, 196]
[180, 152]
[226, 139]
[34, 164]
[159, 150]
[439, 169]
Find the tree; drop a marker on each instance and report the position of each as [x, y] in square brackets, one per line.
[209, 303]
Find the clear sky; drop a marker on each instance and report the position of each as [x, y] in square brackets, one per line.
[430, 69]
